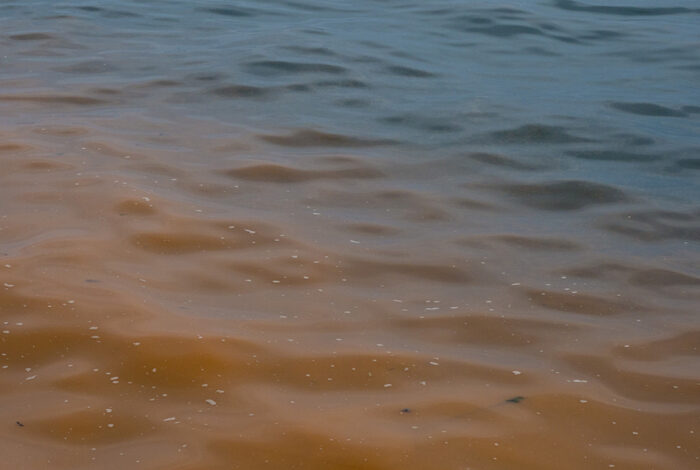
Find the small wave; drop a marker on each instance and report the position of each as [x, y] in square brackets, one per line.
[282, 174]
[531, 134]
[313, 138]
[564, 195]
[276, 67]
[648, 109]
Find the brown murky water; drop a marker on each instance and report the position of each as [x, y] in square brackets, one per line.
[249, 237]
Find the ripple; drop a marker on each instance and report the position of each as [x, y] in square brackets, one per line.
[177, 243]
[571, 5]
[531, 134]
[614, 156]
[501, 161]
[135, 207]
[313, 138]
[55, 99]
[372, 229]
[272, 173]
[582, 304]
[277, 67]
[682, 344]
[91, 427]
[648, 109]
[506, 31]
[634, 385]
[241, 91]
[529, 243]
[655, 225]
[89, 66]
[636, 275]
[231, 12]
[341, 84]
[564, 195]
[403, 71]
[688, 163]
[31, 37]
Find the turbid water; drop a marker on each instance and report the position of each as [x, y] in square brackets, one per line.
[317, 234]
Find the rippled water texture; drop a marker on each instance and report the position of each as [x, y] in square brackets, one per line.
[376, 235]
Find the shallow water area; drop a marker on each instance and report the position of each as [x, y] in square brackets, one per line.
[354, 235]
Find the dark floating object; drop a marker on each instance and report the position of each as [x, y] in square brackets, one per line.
[406, 410]
[517, 399]
[20, 424]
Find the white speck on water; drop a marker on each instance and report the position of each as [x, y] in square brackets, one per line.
[31, 377]
[172, 418]
[355, 242]
[516, 372]
[387, 385]
[210, 401]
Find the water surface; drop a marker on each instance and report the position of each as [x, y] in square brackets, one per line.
[350, 235]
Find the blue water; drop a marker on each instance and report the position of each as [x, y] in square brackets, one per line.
[605, 93]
